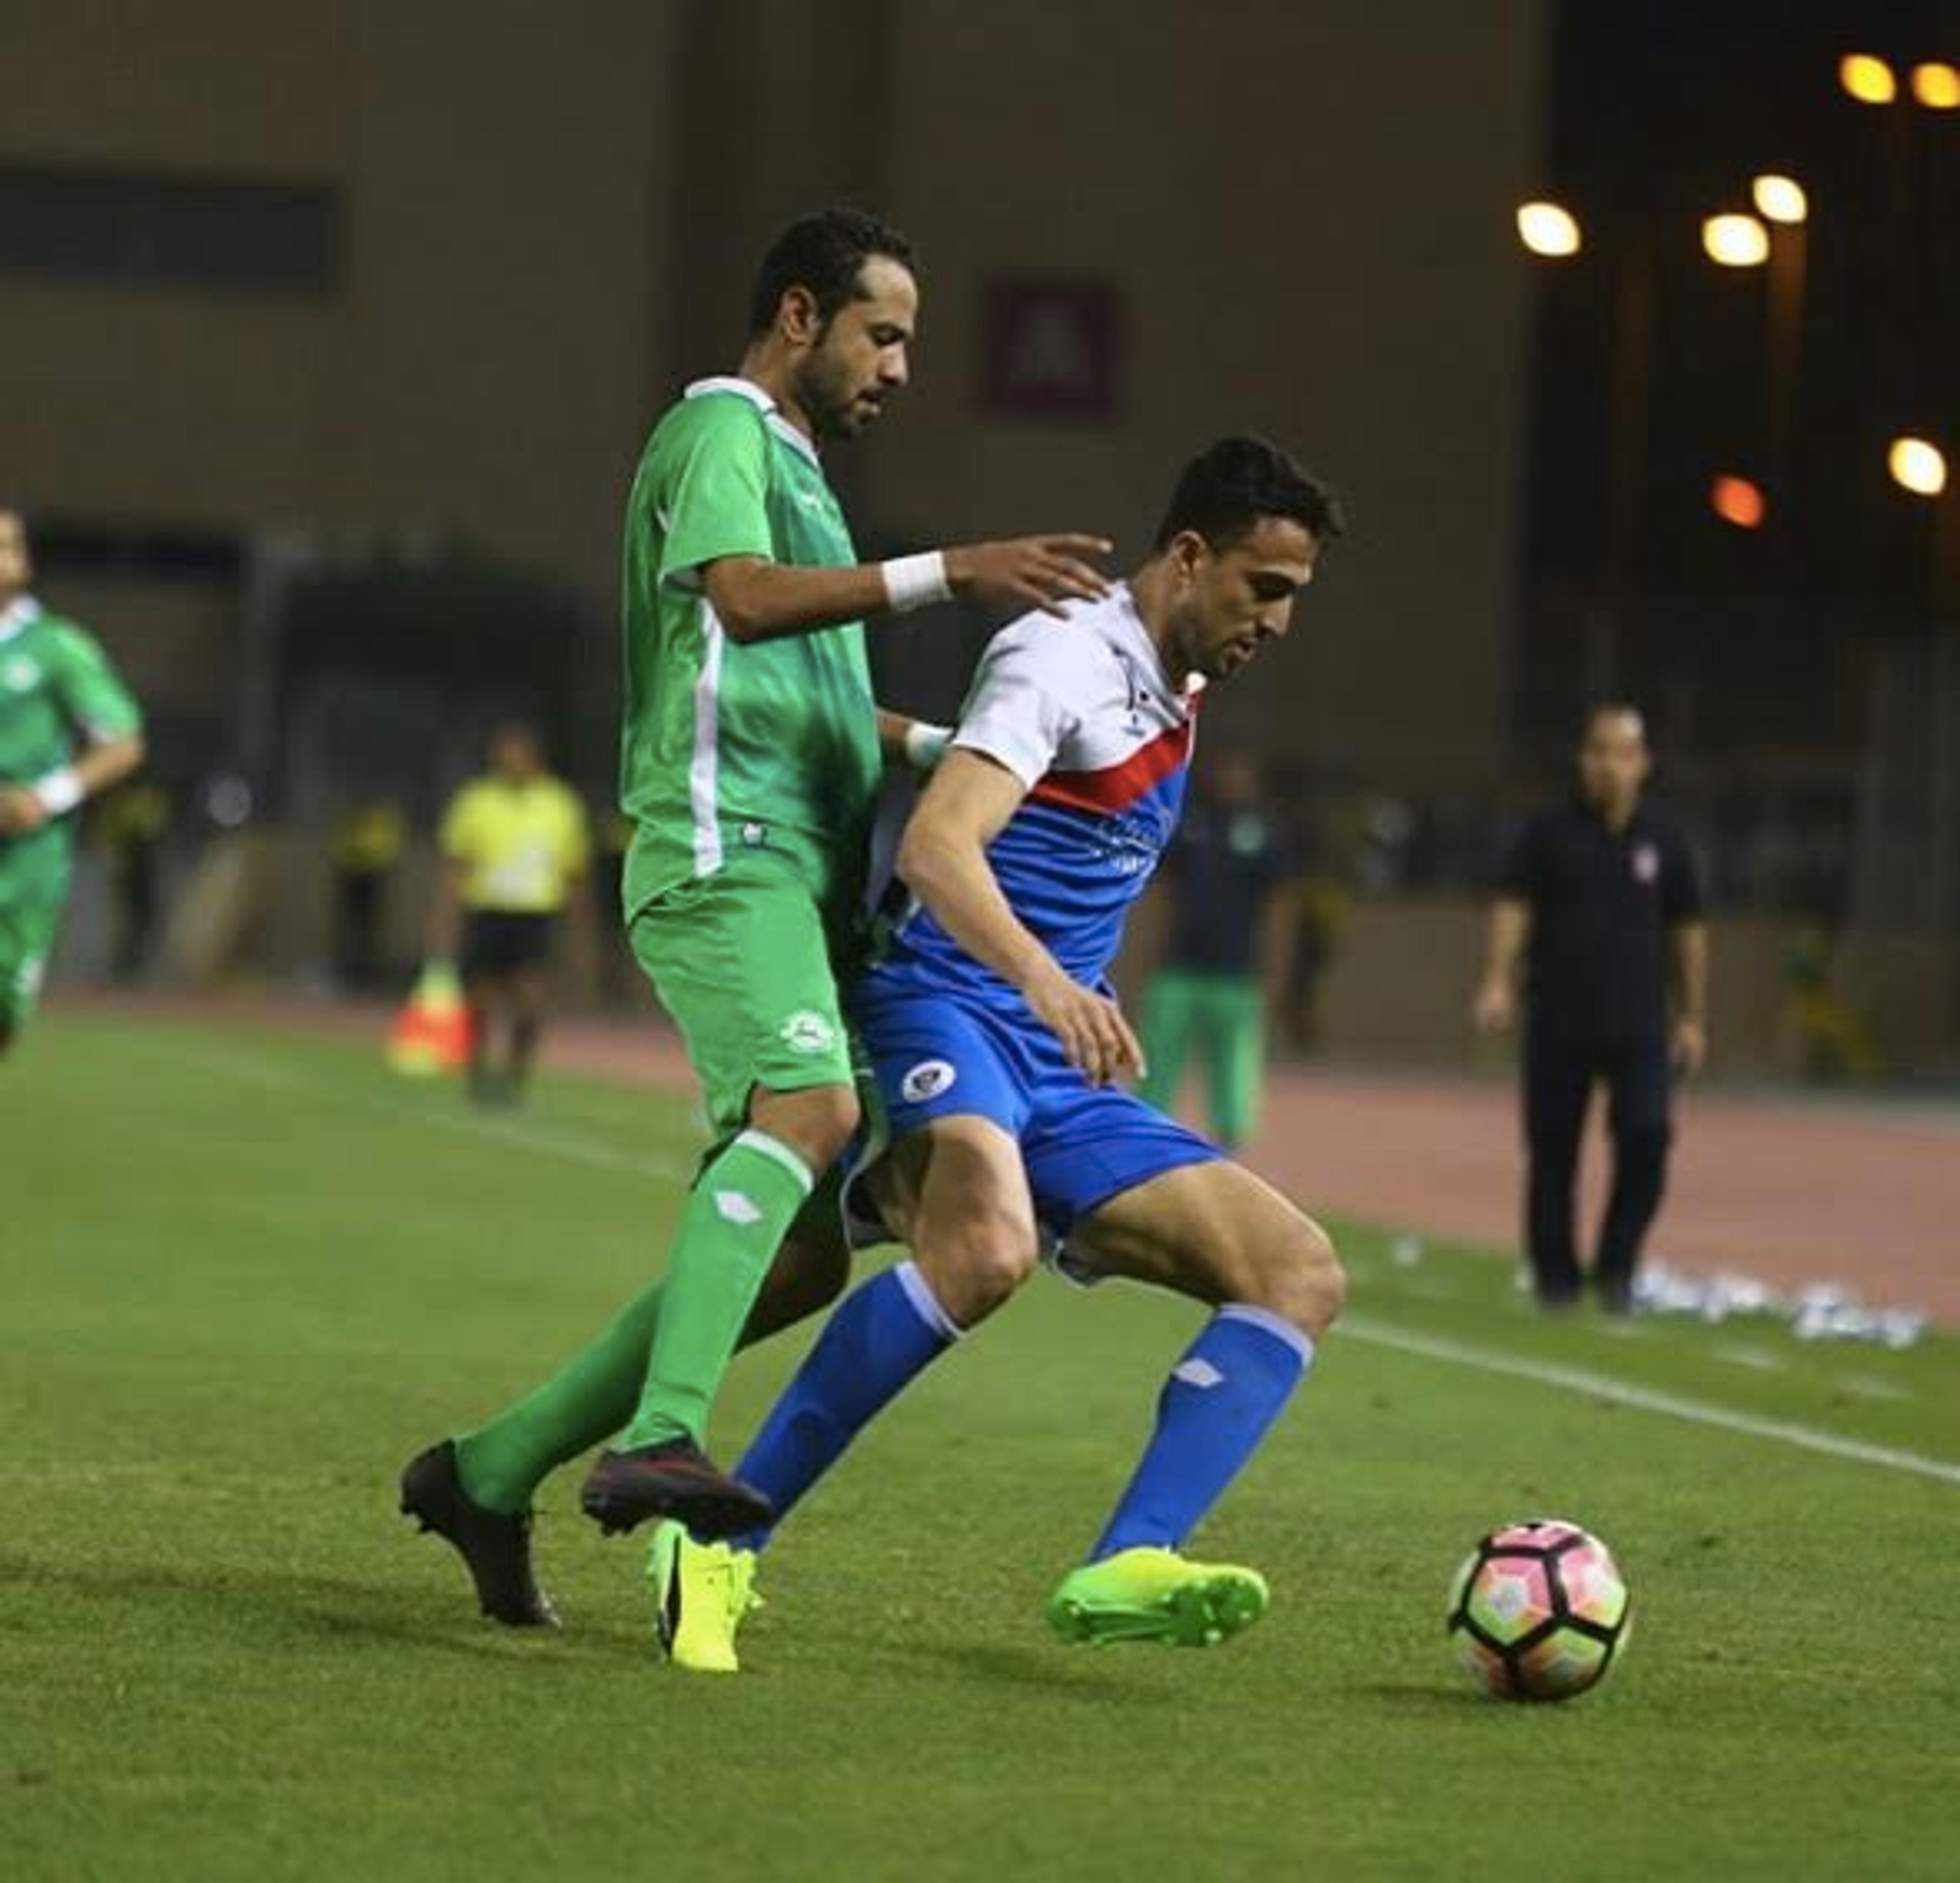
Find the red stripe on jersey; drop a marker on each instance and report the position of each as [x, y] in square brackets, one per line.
[1116, 787]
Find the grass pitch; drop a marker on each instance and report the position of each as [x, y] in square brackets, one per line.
[244, 1276]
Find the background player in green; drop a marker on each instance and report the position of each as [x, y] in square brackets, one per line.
[1224, 870]
[751, 754]
[69, 729]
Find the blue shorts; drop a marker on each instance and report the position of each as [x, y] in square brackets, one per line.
[934, 1054]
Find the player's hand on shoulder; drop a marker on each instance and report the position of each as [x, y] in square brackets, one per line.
[1094, 1035]
[20, 811]
[1040, 572]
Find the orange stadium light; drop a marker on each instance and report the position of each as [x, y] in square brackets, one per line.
[1548, 229]
[1870, 81]
[1936, 86]
[1739, 501]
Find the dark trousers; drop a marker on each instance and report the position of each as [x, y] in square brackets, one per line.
[1561, 1065]
[357, 912]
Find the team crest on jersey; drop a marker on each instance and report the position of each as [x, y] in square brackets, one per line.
[927, 1079]
[20, 673]
[1646, 863]
[807, 1031]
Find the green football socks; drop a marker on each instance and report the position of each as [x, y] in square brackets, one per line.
[659, 1362]
[505, 1459]
[737, 1214]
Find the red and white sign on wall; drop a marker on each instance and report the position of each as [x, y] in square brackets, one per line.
[1051, 348]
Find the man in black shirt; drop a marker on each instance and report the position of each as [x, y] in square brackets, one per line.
[1225, 865]
[1602, 897]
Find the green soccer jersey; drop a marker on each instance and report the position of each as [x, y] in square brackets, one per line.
[57, 691]
[770, 746]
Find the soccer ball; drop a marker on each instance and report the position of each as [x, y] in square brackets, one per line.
[1539, 1611]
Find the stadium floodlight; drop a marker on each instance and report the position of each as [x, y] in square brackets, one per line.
[1870, 81]
[1918, 465]
[1936, 86]
[1779, 199]
[1547, 229]
[1735, 241]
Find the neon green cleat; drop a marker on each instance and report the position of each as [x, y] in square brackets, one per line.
[1146, 1594]
[703, 1590]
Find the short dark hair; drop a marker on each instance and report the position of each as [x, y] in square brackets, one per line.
[824, 252]
[1224, 491]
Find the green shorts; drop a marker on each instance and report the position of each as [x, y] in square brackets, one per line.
[27, 938]
[740, 960]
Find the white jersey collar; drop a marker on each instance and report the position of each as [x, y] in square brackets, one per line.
[732, 383]
[1125, 597]
[771, 412]
[16, 615]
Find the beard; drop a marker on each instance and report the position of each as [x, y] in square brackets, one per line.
[825, 391]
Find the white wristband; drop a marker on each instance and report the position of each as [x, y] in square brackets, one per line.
[926, 744]
[915, 581]
[60, 791]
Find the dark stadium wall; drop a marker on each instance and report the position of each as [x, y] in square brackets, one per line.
[1299, 214]
[478, 366]
[1303, 214]
[1305, 210]
[168, 403]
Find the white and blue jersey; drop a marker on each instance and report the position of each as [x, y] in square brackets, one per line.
[1080, 711]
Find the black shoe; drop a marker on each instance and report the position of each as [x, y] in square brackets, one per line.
[676, 1480]
[1616, 1298]
[496, 1549]
[493, 1090]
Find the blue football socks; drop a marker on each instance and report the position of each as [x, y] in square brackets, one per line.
[886, 1332]
[1219, 1402]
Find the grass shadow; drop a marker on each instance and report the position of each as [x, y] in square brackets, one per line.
[284, 1606]
[1436, 1699]
[1049, 1668]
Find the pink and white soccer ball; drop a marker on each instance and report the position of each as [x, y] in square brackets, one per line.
[1539, 1611]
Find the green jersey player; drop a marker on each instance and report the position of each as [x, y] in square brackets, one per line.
[751, 754]
[69, 729]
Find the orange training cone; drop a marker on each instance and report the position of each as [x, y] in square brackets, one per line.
[430, 1035]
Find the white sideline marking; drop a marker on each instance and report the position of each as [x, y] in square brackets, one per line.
[1760, 1358]
[270, 1073]
[1866, 1388]
[550, 1143]
[1619, 1392]
[1574, 1379]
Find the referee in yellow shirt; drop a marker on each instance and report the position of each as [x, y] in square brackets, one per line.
[515, 849]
